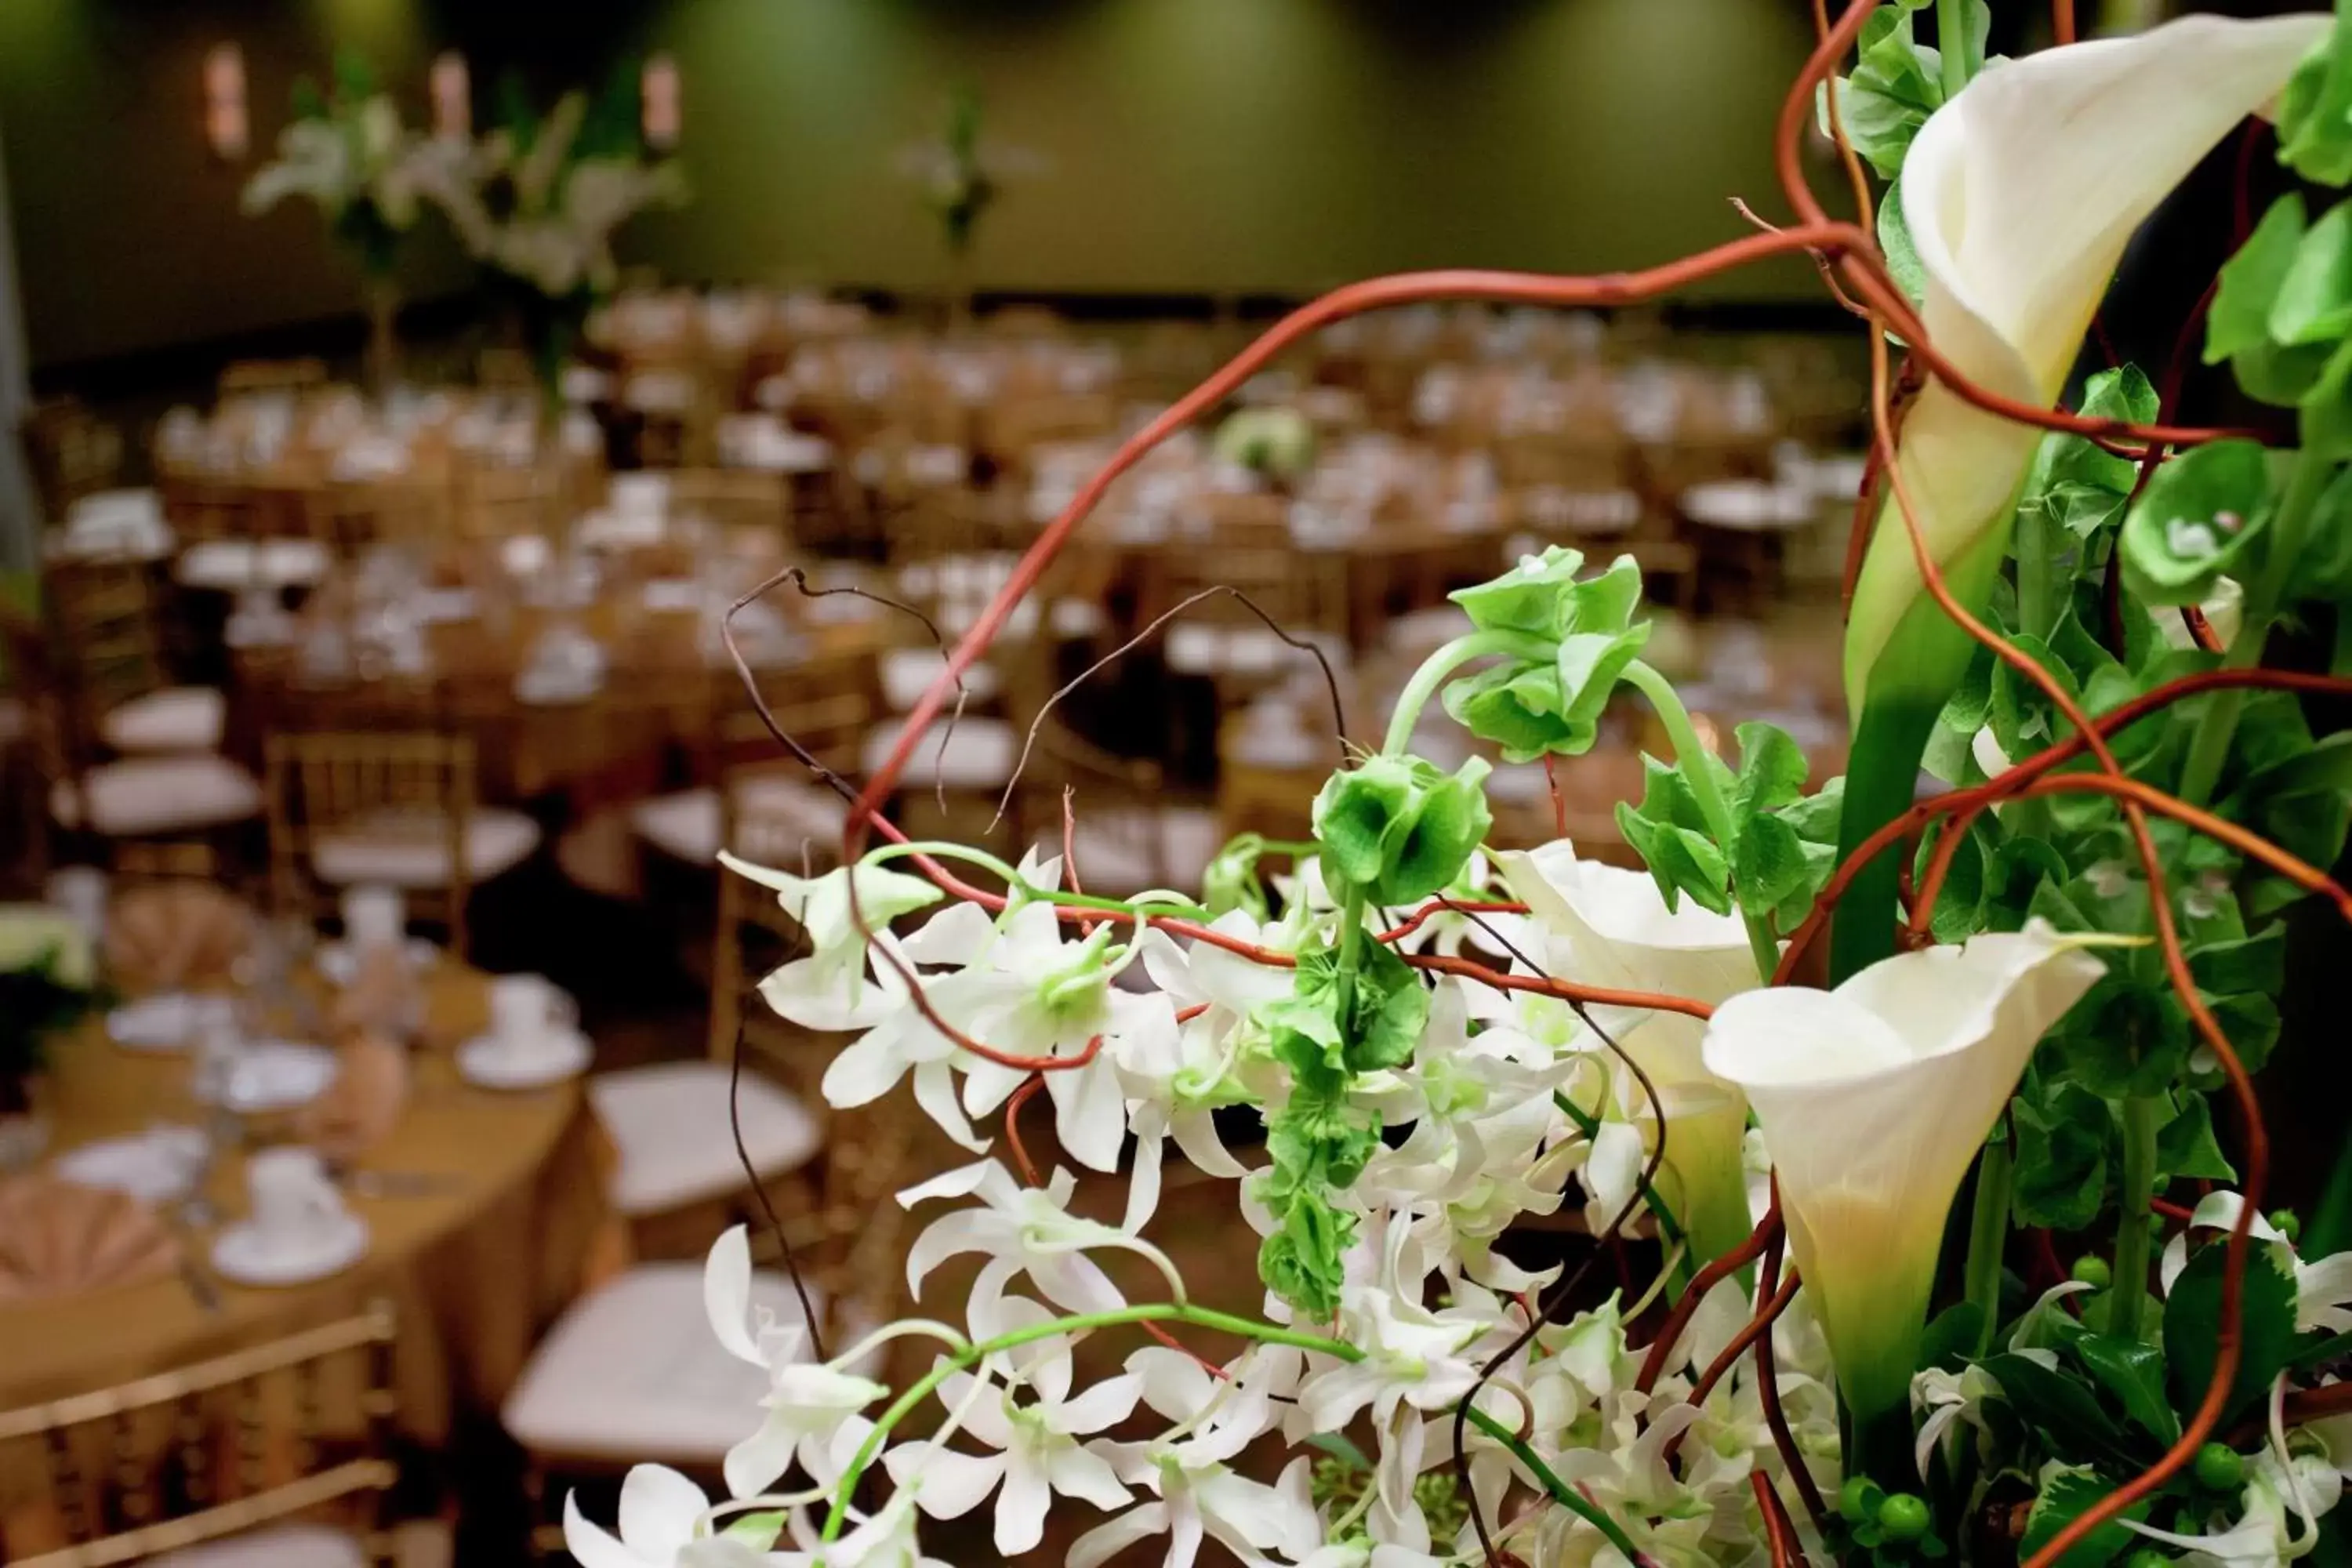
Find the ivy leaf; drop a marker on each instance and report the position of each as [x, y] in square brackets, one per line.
[2192, 1326]
[2133, 1374]
[2186, 1147]
[2057, 1403]
[2067, 1491]
[2063, 1140]
[2194, 522]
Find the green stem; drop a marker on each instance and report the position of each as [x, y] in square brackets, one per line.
[1670, 1229]
[2209, 748]
[1987, 1234]
[2128, 1290]
[963, 1359]
[1951, 45]
[2037, 608]
[1444, 662]
[1697, 766]
[1562, 1492]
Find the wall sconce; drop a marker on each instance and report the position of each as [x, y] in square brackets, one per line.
[227, 131]
[658, 93]
[452, 91]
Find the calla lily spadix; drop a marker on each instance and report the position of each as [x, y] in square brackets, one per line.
[1608, 926]
[1874, 1099]
[2018, 195]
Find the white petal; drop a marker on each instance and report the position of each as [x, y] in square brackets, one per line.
[935, 1092]
[968, 1230]
[948, 1485]
[1196, 1133]
[1076, 1283]
[1090, 1115]
[588, 1543]
[659, 1508]
[1086, 1474]
[1021, 1510]
[960, 934]
[753, 1464]
[960, 1183]
[726, 1293]
[1107, 1539]
[1173, 1384]
[1106, 1404]
[865, 1070]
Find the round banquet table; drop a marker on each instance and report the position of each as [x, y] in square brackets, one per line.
[514, 1227]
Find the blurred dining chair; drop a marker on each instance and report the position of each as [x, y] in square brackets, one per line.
[502, 503]
[753, 780]
[165, 814]
[591, 1401]
[273, 1456]
[393, 809]
[110, 630]
[71, 452]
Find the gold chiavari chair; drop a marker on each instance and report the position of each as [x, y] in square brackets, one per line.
[230, 1455]
[398, 809]
[108, 628]
[1124, 835]
[72, 451]
[748, 502]
[245, 378]
[202, 509]
[347, 518]
[505, 502]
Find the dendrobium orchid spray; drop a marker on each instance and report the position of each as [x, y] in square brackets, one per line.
[2043, 979]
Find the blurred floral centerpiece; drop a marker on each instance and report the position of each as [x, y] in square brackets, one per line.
[537, 200]
[960, 174]
[347, 151]
[48, 980]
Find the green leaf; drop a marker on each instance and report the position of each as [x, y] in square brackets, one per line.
[1951, 1336]
[2314, 124]
[2063, 1140]
[2314, 304]
[2325, 412]
[2185, 1145]
[2067, 1491]
[2194, 521]
[1301, 1260]
[2256, 962]
[1531, 597]
[1339, 1448]
[1683, 860]
[2133, 1374]
[2125, 1039]
[2250, 282]
[1391, 1007]
[1769, 863]
[2302, 803]
[1771, 770]
[2057, 1402]
[1896, 84]
[2192, 1326]
[1903, 263]
[2282, 377]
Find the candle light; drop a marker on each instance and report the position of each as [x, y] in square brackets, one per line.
[226, 130]
[658, 94]
[453, 97]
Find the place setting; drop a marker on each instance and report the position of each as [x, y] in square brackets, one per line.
[296, 1229]
[534, 1040]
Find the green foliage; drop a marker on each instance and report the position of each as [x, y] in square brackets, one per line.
[2316, 111]
[1897, 83]
[1530, 707]
[1784, 842]
[2193, 1327]
[2064, 1135]
[1397, 829]
[2196, 521]
[2067, 1491]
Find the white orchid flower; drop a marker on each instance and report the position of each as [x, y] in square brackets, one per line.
[1874, 1099]
[1412, 1356]
[1203, 1498]
[2279, 1518]
[808, 1402]
[1611, 927]
[1024, 1230]
[1948, 1404]
[1035, 1428]
[885, 1539]
[821, 906]
[2019, 195]
[1023, 991]
[662, 1525]
[2323, 1290]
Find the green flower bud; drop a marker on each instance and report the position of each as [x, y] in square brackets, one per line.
[2092, 1270]
[2219, 1468]
[1399, 830]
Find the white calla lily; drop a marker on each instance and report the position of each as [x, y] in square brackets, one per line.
[1611, 927]
[1874, 1097]
[2020, 194]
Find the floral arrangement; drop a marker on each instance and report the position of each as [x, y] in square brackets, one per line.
[538, 201]
[347, 153]
[47, 981]
[958, 180]
[2040, 979]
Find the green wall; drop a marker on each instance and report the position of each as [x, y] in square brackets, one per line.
[1221, 146]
